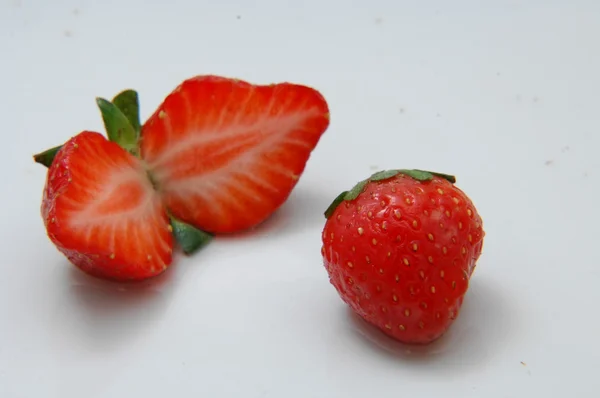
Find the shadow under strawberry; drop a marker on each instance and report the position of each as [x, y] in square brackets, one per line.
[103, 316]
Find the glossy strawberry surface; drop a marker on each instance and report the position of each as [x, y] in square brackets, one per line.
[402, 252]
[225, 154]
[102, 213]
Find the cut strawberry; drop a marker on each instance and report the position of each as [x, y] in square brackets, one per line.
[225, 154]
[219, 154]
[101, 210]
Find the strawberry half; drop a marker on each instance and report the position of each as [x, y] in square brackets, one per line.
[99, 206]
[101, 210]
[225, 154]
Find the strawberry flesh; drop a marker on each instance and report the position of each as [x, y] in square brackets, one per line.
[226, 154]
[102, 213]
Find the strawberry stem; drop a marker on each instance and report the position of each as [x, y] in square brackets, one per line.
[189, 238]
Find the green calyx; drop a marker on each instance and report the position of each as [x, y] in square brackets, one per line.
[128, 103]
[121, 118]
[419, 175]
[189, 238]
[45, 158]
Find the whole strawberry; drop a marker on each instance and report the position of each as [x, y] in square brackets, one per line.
[400, 248]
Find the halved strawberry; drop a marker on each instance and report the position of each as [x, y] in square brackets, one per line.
[225, 154]
[219, 153]
[101, 211]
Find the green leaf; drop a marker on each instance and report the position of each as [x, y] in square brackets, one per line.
[383, 175]
[356, 190]
[128, 102]
[189, 238]
[45, 158]
[118, 128]
[424, 175]
[447, 177]
[419, 175]
[339, 199]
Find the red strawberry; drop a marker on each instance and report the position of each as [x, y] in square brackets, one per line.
[400, 249]
[101, 211]
[225, 154]
[220, 153]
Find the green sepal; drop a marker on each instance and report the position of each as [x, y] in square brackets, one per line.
[419, 175]
[339, 199]
[122, 122]
[356, 190]
[384, 175]
[189, 238]
[45, 158]
[424, 175]
[118, 128]
[450, 178]
[128, 102]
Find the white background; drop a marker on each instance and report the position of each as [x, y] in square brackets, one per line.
[504, 94]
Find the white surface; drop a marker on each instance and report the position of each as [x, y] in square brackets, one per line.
[505, 94]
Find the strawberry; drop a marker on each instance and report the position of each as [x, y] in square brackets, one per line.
[99, 206]
[400, 248]
[225, 154]
[102, 213]
[219, 153]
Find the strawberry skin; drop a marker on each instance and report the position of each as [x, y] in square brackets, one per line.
[225, 154]
[102, 213]
[400, 249]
